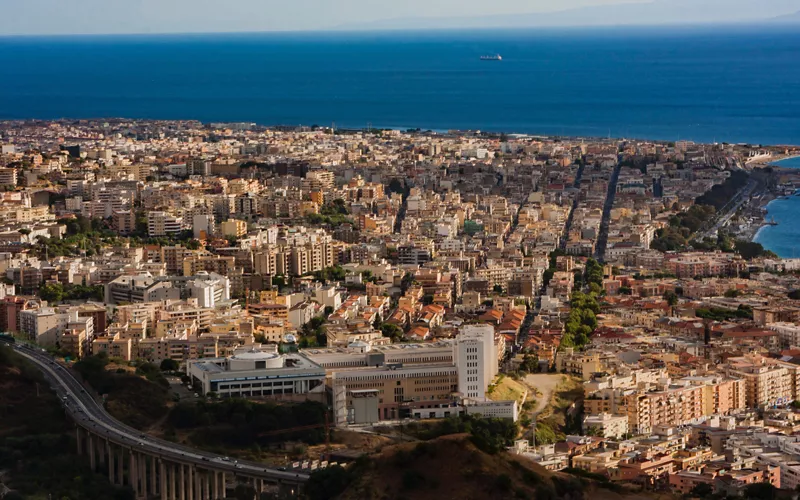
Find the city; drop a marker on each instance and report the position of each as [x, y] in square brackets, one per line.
[599, 299]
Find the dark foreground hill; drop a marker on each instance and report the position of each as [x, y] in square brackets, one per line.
[452, 467]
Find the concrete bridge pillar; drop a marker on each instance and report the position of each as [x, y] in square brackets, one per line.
[101, 450]
[171, 472]
[198, 491]
[162, 476]
[90, 446]
[182, 483]
[120, 458]
[219, 485]
[190, 483]
[78, 440]
[154, 489]
[110, 461]
[141, 466]
[207, 495]
[133, 477]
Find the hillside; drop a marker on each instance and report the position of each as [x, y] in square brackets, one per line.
[452, 467]
[37, 441]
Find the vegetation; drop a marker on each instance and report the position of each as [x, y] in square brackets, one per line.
[37, 441]
[240, 423]
[681, 227]
[56, 292]
[490, 435]
[751, 250]
[551, 268]
[581, 321]
[313, 333]
[334, 214]
[139, 401]
[392, 331]
[449, 467]
[719, 195]
[328, 483]
[334, 273]
[719, 314]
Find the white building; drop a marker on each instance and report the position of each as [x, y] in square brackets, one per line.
[162, 224]
[210, 289]
[259, 374]
[607, 425]
[476, 360]
[494, 409]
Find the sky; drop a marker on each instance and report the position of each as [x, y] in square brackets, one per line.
[55, 17]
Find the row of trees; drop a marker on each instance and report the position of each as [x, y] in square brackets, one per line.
[582, 319]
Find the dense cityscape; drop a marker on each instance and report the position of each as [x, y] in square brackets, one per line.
[233, 310]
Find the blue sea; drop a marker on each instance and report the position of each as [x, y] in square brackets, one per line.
[783, 239]
[737, 84]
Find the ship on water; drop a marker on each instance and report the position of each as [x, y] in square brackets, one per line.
[495, 57]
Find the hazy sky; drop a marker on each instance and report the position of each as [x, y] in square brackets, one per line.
[166, 16]
[174, 16]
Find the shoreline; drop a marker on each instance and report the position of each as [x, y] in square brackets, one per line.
[771, 161]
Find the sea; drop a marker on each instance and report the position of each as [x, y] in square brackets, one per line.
[724, 84]
[783, 239]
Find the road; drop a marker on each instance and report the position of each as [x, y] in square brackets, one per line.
[90, 415]
[729, 210]
[602, 237]
[545, 383]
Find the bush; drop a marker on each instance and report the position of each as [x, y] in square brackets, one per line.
[169, 365]
[328, 483]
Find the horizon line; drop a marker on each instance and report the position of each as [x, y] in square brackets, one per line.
[761, 23]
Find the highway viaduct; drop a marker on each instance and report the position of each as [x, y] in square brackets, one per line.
[151, 467]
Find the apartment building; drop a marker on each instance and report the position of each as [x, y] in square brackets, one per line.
[142, 288]
[163, 224]
[767, 382]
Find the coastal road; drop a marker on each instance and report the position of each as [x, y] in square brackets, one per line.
[87, 413]
[730, 209]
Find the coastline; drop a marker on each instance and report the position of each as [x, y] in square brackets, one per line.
[759, 219]
[771, 161]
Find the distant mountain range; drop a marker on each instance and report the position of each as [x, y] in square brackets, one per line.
[655, 12]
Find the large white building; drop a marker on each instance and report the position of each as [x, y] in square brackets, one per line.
[476, 360]
[257, 374]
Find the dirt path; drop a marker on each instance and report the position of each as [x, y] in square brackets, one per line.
[545, 383]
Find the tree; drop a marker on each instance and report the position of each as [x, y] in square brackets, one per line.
[760, 491]
[392, 331]
[328, 483]
[702, 490]
[732, 293]
[169, 365]
[671, 298]
[52, 292]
